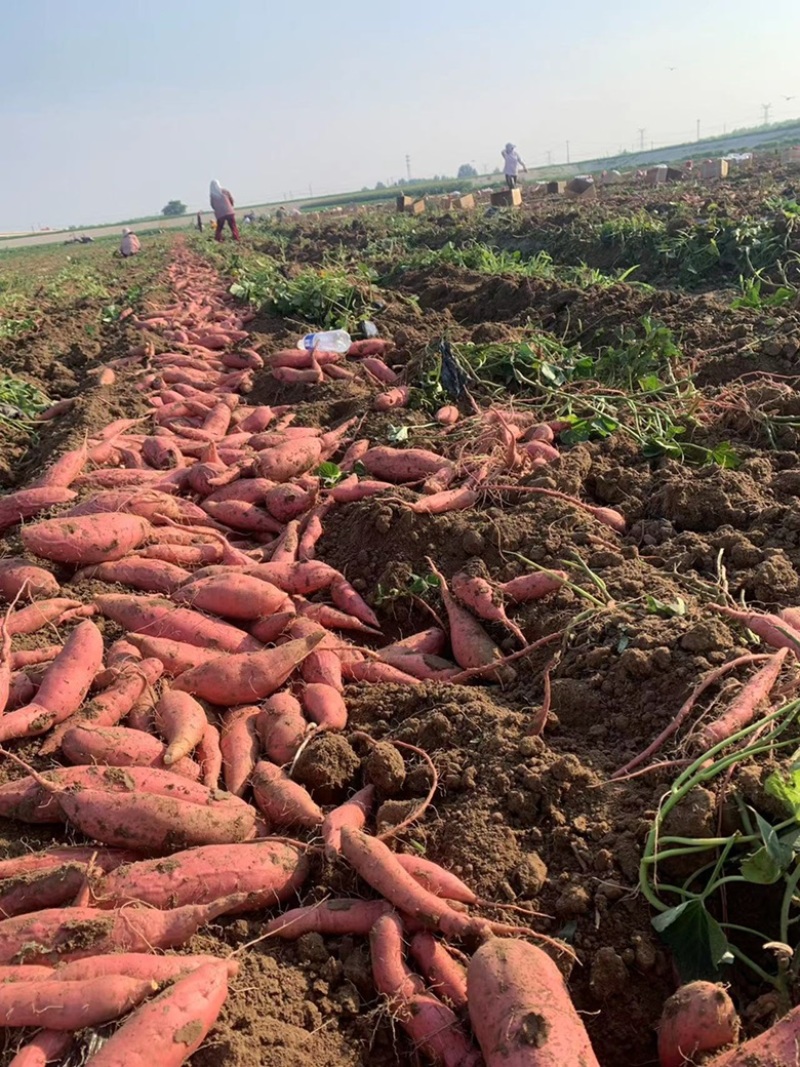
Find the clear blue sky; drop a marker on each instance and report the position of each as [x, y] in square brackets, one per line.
[109, 109]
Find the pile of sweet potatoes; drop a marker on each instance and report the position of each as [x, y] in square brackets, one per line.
[178, 741]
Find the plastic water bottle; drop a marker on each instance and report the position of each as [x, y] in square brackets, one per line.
[326, 341]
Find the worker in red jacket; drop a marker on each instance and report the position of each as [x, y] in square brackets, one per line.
[222, 205]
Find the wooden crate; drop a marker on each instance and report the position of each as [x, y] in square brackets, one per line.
[714, 168]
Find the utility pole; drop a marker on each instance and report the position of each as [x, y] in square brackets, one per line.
[567, 151]
[698, 129]
[310, 190]
[549, 158]
[766, 108]
[408, 167]
[641, 138]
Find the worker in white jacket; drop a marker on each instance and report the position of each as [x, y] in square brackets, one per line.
[512, 163]
[129, 245]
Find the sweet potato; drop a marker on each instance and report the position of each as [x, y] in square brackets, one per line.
[432, 1026]
[479, 596]
[73, 933]
[347, 599]
[170, 1028]
[281, 727]
[155, 824]
[335, 916]
[182, 721]
[86, 539]
[447, 977]
[137, 965]
[119, 746]
[157, 617]
[289, 501]
[236, 596]
[296, 578]
[237, 679]
[534, 586]
[265, 872]
[49, 859]
[26, 503]
[392, 398]
[60, 1005]
[379, 867]
[698, 1018]
[66, 682]
[324, 706]
[20, 577]
[352, 813]
[39, 614]
[472, 646]
[186, 556]
[437, 880]
[772, 629]
[284, 802]
[47, 1046]
[432, 641]
[175, 656]
[149, 575]
[402, 464]
[28, 800]
[239, 747]
[420, 665]
[448, 415]
[113, 704]
[57, 885]
[520, 1009]
[286, 461]
[209, 756]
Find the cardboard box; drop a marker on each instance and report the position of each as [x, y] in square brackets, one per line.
[656, 175]
[556, 187]
[674, 174]
[417, 207]
[507, 198]
[791, 155]
[463, 203]
[581, 187]
[714, 168]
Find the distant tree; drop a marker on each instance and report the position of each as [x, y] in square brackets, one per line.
[466, 170]
[174, 208]
[380, 185]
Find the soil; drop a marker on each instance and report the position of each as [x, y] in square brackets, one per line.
[531, 821]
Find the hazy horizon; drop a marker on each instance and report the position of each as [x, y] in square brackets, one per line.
[108, 116]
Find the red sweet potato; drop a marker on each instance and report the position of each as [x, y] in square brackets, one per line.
[239, 747]
[119, 746]
[402, 464]
[86, 539]
[514, 986]
[73, 933]
[447, 977]
[352, 813]
[284, 802]
[335, 916]
[266, 872]
[157, 617]
[237, 679]
[26, 503]
[19, 576]
[324, 706]
[281, 727]
[149, 575]
[60, 1005]
[39, 614]
[182, 721]
[286, 461]
[176, 656]
[170, 1028]
[699, 1018]
[236, 596]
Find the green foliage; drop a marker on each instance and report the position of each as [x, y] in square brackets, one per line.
[327, 298]
[752, 296]
[173, 209]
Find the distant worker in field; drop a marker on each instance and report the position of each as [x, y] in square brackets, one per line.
[222, 203]
[129, 245]
[199, 222]
[512, 163]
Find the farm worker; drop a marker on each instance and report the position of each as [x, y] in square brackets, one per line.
[199, 222]
[512, 164]
[129, 245]
[222, 203]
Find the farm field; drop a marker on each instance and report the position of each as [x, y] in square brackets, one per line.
[655, 332]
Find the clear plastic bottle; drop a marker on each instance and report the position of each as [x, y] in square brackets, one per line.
[326, 341]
